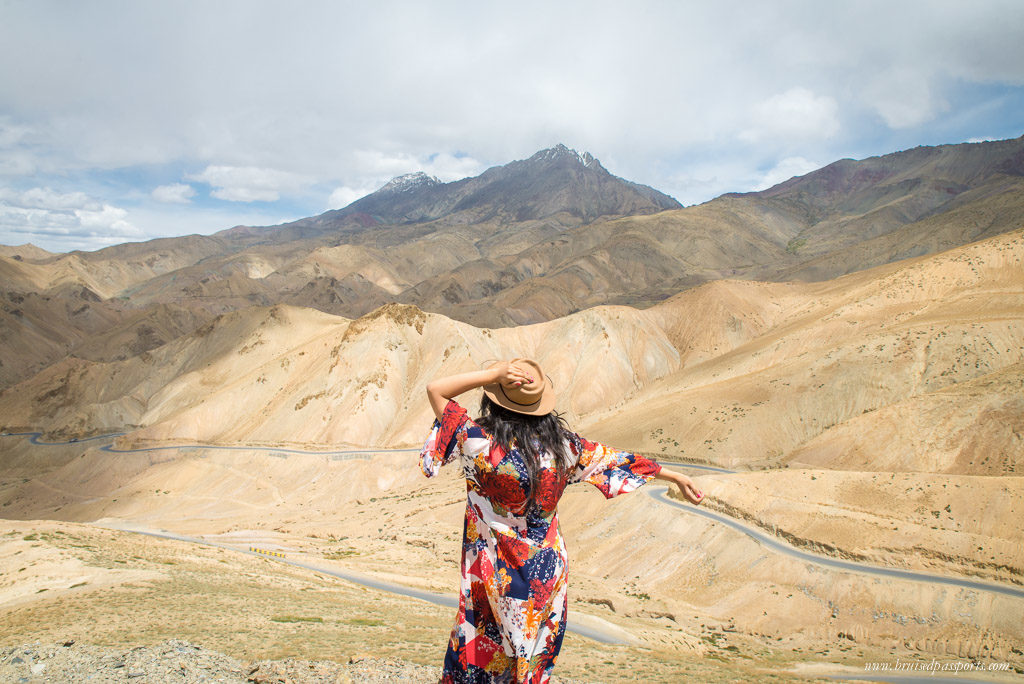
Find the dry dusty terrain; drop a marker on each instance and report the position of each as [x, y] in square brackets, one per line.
[104, 587]
[687, 595]
[876, 417]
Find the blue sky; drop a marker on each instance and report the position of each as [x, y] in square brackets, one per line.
[122, 121]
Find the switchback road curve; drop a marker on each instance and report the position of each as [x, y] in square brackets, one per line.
[659, 494]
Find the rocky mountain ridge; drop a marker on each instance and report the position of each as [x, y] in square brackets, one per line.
[530, 241]
[551, 182]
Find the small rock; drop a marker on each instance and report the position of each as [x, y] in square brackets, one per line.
[133, 675]
[67, 643]
[17, 660]
[38, 668]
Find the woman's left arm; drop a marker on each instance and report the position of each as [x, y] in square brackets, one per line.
[685, 484]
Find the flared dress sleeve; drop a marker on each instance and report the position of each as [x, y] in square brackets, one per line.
[442, 445]
[612, 471]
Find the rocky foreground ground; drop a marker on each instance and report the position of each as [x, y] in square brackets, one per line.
[180, 661]
[183, 662]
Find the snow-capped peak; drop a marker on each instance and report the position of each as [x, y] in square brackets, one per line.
[560, 150]
[410, 181]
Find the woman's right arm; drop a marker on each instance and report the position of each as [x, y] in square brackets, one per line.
[685, 484]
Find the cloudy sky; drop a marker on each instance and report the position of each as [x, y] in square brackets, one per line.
[121, 121]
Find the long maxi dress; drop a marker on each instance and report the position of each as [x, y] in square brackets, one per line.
[513, 599]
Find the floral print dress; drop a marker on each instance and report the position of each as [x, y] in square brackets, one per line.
[513, 600]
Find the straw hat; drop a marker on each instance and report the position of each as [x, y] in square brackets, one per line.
[534, 399]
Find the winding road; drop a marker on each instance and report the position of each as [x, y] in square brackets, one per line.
[775, 544]
[659, 494]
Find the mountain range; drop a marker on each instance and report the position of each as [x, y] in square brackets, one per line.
[526, 242]
[848, 346]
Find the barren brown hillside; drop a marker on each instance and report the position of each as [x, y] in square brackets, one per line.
[736, 373]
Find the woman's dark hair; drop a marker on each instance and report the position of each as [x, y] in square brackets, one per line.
[532, 435]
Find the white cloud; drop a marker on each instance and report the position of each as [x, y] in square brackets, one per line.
[796, 114]
[249, 183]
[448, 167]
[344, 196]
[45, 198]
[11, 133]
[903, 98]
[17, 164]
[62, 221]
[107, 218]
[786, 169]
[176, 193]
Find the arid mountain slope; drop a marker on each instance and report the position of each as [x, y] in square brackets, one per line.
[498, 264]
[846, 348]
[25, 251]
[849, 201]
[111, 271]
[562, 204]
[37, 328]
[736, 373]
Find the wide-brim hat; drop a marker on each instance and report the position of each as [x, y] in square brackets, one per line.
[534, 399]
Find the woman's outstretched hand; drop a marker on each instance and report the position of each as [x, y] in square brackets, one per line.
[687, 486]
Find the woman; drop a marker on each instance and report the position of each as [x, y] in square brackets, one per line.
[517, 458]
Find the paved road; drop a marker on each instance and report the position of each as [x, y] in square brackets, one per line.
[659, 494]
[33, 437]
[695, 466]
[274, 450]
[906, 679]
[773, 543]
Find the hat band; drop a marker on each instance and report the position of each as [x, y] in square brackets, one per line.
[517, 403]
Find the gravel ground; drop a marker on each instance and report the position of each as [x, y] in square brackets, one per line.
[183, 663]
[179, 661]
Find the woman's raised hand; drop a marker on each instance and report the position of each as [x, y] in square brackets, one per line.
[511, 375]
[439, 391]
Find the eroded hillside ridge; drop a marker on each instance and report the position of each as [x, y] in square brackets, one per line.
[733, 372]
